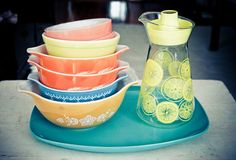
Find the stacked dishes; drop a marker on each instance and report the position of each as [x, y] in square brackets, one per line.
[78, 66]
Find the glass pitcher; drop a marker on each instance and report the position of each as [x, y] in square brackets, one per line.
[166, 97]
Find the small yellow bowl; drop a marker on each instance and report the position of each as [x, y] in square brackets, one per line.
[81, 49]
[77, 115]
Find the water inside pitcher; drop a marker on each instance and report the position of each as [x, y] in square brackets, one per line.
[166, 96]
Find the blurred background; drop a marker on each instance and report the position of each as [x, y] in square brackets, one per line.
[212, 44]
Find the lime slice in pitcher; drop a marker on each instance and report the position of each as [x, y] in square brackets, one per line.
[173, 68]
[149, 104]
[167, 112]
[184, 69]
[153, 73]
[172, 88]
[163, 57]
[186, 110]
[188, 90]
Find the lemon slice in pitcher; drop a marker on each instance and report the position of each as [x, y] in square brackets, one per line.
[163, 57]
[188, 90]
[149, 104]
[184, 69]
[173, 68]
[172, 88]
[186, 110]
[167, 112]
[153, 73]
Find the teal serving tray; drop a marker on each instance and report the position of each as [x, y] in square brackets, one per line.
[124, 132]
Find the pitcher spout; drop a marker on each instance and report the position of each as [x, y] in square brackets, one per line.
[143, 19]
[147, 17]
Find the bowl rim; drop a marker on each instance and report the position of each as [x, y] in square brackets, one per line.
[119, 49]
[75, 41]
[121, 66]
[72, 104]
[34, 76]
[56, 29]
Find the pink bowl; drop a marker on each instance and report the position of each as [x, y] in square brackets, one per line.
[82, 30]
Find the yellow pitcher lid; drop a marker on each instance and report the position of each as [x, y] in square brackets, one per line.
[169, 29]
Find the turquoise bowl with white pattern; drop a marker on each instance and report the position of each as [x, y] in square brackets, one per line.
[77, 95]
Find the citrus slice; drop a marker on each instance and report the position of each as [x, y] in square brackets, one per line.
[188, 90]
[163, 57]
[167, 112]
[173, 68]
[186, 110]
[153, 73]
[172, 88]
[184, 69]
[149, 104]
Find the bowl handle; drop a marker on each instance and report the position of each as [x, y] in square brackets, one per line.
[121, 49]
[34, 60]
[27, 87]
[38, 51]
[128, 85]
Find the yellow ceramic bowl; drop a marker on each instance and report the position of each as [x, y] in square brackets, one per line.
[81, 49]
[77, 115]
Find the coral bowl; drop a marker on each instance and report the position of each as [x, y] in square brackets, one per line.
[80, 81]
[76, 65]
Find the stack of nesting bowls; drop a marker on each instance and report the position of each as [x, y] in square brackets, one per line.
[78, 65]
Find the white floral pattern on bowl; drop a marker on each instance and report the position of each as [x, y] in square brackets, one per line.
[87, 121]
[64, 98]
